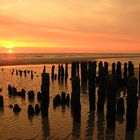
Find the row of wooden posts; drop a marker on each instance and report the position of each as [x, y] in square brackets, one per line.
[108, 85]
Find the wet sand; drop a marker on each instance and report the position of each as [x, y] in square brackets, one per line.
[59, 120]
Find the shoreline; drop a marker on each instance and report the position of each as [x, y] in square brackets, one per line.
[37, 59]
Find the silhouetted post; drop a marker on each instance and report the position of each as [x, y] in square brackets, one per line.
[45, 88]
[130, 69]
[125, 73]
[101, 100]
[31, 95]
[120, 110]
[73, 69]
[37, 109]
[111, 102]
[52, 75]
[20, 71]
[84, 75]
[139, 79]
[120, 106]
[16, 108]
[100, 68]
[66, 71]
[62, 73]
[75, 99]
[63, 98]
[113, 68]
[32, 76]
[101, 91]
[31, 110]
[106, 68]
[25, 73]
[1, 101]
[59, 72]
[92, 76]
[77, 69]
[16, 72]
[132, 104]
[111, 107]
[119, 74]
[84, 72]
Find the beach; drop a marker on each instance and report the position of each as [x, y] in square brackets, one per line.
[59, 123]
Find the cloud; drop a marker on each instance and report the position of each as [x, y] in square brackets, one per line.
[70, 22]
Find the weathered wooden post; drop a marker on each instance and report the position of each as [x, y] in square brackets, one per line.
[66, 71]
[100, 68]
[113, 68]
[84, 72]
[125, 74]
[119, 74]
[1, 101]
[130, 69]
[52, 75]
[45, 88]
[91, 81]
[75, 99]
[62, 73]
[106, 68]
[139, 79]
[101, 91]
[77, 69]
[73, 69]
[132, 104]
[111, 102]
[59, 72]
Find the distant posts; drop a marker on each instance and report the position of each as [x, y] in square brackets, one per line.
[132, 104]
[45, 88]
[91, 81]
[75, 99]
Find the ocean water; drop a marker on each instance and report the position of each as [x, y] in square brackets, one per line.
[17, 59]
[59, 124]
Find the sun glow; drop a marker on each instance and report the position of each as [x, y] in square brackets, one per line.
[10, 51]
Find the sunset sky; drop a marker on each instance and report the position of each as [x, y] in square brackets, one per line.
[70, 26]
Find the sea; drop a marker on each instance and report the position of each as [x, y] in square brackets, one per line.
[59, 124]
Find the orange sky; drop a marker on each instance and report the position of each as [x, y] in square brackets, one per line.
[70, 26]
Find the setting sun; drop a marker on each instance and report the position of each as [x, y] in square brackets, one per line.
[10, 51]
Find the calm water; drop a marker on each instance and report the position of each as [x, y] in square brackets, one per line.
[59, 124]
[17, 59]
